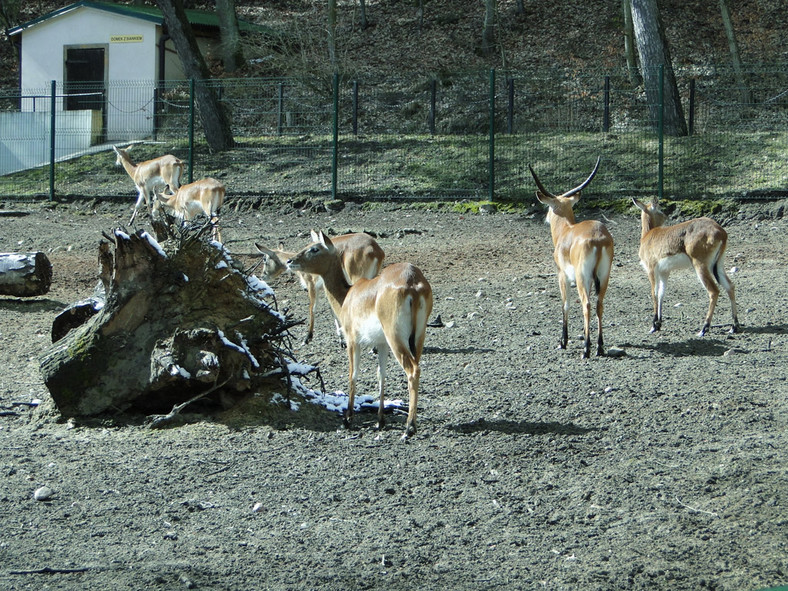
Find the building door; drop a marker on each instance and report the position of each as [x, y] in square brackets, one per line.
[85, 85]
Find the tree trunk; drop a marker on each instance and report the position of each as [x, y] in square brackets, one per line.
[179, 320]
[744, 89]
[214, 120]
[488, 31]
[332, 33]
[9, 17]
[654, 52]
[363, 8]
[232, 56]
[25, 274]
[629, 44]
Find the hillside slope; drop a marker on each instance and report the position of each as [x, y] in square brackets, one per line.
[570, 33]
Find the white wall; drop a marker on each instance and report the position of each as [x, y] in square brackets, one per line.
[29, 146]
[129, 105]
[43, 54]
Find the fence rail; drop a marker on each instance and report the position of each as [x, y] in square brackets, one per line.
[465, 134]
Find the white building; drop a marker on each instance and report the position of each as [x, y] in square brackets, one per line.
[107, 58]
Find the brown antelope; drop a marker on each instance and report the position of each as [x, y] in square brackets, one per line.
[205, 196]
[583, 254]
[699, 243]
[361, 256]
[165, 170]
[387, 312]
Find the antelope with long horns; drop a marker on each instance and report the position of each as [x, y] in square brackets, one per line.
[583, 254]
[699, 243]
[387, 313]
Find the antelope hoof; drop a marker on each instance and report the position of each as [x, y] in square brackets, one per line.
[734, 329]
[703, 330]
[347, 421]
[307, 339]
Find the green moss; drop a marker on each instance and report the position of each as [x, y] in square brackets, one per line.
[82, 345]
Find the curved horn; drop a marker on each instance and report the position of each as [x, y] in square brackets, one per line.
[539, 184]
[585, 183]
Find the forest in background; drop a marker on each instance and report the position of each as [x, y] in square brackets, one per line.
[436, 36]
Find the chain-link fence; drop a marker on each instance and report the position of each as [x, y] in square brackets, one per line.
[454, 135]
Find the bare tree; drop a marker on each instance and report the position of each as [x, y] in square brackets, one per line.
[488, 31]
[363, 7]
[232, 56]
[629, 43]
[215, 122]
[653, 50]
[332, 32]
[9, 16]
[738, 69]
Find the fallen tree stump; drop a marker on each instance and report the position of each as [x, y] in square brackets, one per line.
[25, 274]
[178, 320]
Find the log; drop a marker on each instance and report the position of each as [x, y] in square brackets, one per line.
[179, 319]
[78, 313]
[25, 274]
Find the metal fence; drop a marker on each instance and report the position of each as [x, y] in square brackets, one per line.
[449, 136]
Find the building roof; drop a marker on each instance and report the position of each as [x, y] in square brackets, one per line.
[199, 18]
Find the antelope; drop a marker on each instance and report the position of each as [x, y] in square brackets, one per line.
[387, 312]
[699, 243]
[583, 254]
[205, 196]
[165, 170]
[361, 257]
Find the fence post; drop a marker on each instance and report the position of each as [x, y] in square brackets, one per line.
[606, 114]
[52, 140]
[491, 157]
[433, 92]
[355, 107]
[660, 131]
[335, 141]
[510, 117]
[280, 108]
[692, 107]
[191, 129]
[156, 115]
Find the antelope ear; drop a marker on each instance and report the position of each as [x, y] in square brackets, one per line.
[315, 236]
[542, 198]
[639, 204]
[325, 240]
[281, 245]
[263, 249]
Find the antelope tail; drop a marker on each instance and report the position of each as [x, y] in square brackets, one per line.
[417, 323]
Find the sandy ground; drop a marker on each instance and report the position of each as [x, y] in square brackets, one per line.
[532, 469]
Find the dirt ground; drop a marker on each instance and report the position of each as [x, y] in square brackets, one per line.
[664, 468]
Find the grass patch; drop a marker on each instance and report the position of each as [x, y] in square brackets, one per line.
[708, 167]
